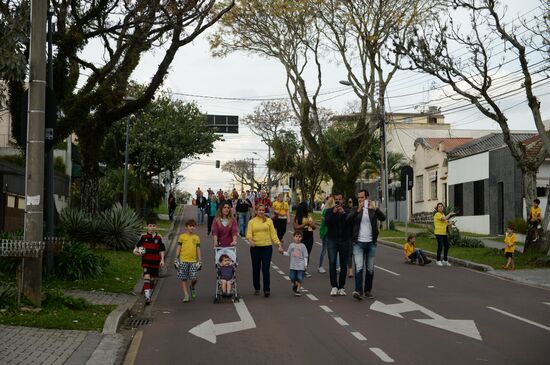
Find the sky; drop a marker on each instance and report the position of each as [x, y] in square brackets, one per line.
[197, 76]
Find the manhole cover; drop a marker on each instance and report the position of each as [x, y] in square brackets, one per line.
[136, 322]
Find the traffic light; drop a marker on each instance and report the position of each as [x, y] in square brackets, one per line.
[217, 164]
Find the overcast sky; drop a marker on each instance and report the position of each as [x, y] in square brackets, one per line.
[241, 75]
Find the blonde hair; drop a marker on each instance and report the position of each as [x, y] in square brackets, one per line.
[330, 202]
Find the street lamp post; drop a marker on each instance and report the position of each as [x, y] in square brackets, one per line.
[125, 191]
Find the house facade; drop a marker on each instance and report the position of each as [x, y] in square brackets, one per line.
[485, 184]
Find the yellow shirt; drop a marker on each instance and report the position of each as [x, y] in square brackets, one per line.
[188, 247]
[440, 226]
[281, 208]
[536, 213]
[408, 249]
[262, 233]
[510, 241]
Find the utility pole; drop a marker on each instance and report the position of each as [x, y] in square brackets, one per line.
[384, 159]
[268, 172]
[125, 187]
[34, 169]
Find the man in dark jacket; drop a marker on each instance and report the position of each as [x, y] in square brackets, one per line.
[364, 233]
[201, 208]
[337, 244]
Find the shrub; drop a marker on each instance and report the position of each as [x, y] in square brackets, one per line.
[8, 265]
[75, 224]
[519, 224]
[541, 261]
[120, 227]
[392, 225]
[78, 262]
[8, 294]
[55, 299]
[468, 242]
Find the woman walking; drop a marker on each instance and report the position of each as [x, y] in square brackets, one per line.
[323, 231]
[281, 215]
[440, 230]
[261, 235]
[304, 223]
[211, 209]
[224, 228]
[243, 207]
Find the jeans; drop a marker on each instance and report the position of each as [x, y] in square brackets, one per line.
[417, 255]
[261, 260]
[243, 223]
[323, 250]
[442, 244]
[210, 220]
[337, 249]
[200, 215]
[296, 276]
[364, 252]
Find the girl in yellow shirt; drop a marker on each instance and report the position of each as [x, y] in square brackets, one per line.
[510, 248]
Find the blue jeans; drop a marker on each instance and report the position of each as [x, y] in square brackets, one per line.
[337, 249]
[200, 215]
[364, 252]
[442, 245]
[261, 261]
[243, 223]
[323, 250]
[296, 276]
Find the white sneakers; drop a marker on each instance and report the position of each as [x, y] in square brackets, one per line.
[333, 292]
[322, 270]
[443, 263]
[341, 292]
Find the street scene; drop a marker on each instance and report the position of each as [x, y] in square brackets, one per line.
[258, 182]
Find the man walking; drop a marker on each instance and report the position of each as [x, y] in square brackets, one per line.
[364, 221]
[201, 207]
[338, 244]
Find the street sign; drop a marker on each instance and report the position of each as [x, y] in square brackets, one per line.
[223, 123]
[407, 171]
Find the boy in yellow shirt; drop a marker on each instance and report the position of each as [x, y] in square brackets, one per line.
[510, 248]
[535, 217]
[189, 260]
[414, 254]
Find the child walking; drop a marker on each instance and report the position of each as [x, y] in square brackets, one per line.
[414, 254]
[298, 262]
[151, 249]
[189, 255]
[510, 248]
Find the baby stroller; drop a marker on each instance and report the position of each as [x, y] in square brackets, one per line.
[232, 253]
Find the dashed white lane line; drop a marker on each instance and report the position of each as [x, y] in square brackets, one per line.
[520, 318]
[381, 354]
[275, 267]
[343, 323]
[286, 278]
[280, 272]
[431, 286]
[319, 243]
[547, 303]
[312, 297]
[386, 270]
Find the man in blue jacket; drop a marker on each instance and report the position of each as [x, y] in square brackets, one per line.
[364, 233]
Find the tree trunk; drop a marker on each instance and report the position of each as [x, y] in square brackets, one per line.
[344, 183]
[530, 193]
[89, 194]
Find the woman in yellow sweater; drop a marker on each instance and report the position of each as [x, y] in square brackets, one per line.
[261, 235]
[440, 230]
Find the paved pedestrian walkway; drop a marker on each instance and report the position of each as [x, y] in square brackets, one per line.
[539, 277]
[101, 298]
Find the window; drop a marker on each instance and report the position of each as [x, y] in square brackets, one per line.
[458, 199]
[479, 198]
[432, 120]
[541, 191]
[432, 175]
[419, 188]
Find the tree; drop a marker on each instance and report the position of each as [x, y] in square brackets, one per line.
[243, 173]
[90, 92]
[290, 158]
[473, 77]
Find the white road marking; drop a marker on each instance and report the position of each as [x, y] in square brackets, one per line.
[304, 290]
[209, 331]
[280, 272]
[386, 270]
[463, 327]
[381, 354]
[431, 286]
[319, 243]
[340, 321]
[520, 318]
[312, 297]
[359, 336]
[547, 303]
[275, 267]
[326, 309]
[286, 277]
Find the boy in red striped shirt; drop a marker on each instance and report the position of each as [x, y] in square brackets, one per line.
[151, 249]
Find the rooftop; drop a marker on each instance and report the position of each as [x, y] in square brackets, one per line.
[489, 142]
[446, 143]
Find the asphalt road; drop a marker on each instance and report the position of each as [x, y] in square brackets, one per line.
[420, 315]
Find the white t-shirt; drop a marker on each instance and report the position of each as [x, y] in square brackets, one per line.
[365, 230]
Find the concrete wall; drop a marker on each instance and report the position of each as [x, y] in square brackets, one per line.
[471, 168]
[428, 160]
[474, 224]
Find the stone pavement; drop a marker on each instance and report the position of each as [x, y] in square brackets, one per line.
[537, 277]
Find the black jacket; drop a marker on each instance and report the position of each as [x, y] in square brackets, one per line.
[336, 224]
[202, 202]
[354, 219]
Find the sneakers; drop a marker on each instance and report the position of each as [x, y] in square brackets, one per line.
[368, 295]
[267, 293]
[439, 263]
[186, 299]
[308, 275]
[297, 294]
[341, 292]
[193, 293]
[321, 270]
[256, 292]
[446, 263]
[356, 295]
[333, 292]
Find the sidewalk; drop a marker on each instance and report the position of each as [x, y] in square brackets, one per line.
[38, 346]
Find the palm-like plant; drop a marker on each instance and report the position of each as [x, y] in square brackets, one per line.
[120, 227]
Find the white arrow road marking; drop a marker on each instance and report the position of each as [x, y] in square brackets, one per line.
[209, 331]
[520, 318]
[386, 270]
[463, 327]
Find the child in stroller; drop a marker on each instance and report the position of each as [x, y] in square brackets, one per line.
[226, 279]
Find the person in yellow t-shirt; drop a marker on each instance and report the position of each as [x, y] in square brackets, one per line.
[188, 259]
[440, 230]
[509, 248]
[413, 254]
[281, 216]
[261, 235]
[535, 218]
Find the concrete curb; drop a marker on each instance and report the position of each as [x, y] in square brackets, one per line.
[452, 260]
[115, 318]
